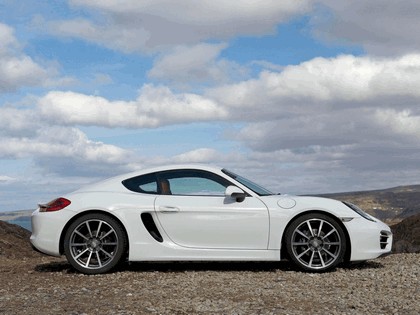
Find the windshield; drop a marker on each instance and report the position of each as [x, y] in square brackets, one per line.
[261, 191]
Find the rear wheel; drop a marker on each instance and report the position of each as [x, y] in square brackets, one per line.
[95, 243]
[315, 242]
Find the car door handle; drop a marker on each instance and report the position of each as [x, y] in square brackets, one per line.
[168, 209]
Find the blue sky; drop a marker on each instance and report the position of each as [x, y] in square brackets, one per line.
[304, 96]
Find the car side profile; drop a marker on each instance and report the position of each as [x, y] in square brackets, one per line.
[202, 213]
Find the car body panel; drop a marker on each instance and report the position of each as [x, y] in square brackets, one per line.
[214, 222]
[47, 228]
[280, 217]
[364, 238]
[203, 227]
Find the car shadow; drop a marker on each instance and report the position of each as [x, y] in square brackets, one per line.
[55, 266]
[207, 266]
[363, 265]
[65, 267]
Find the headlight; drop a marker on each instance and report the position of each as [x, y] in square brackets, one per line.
[359, 211]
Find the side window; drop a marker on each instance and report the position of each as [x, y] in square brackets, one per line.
[196, 186]
[145, 184]
[194, 183]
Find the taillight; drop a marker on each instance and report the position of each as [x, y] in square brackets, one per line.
[55, 205]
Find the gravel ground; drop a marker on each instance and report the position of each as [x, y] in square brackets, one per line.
[388, 285]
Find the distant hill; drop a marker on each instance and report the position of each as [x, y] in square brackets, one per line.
[21, 218]
[13, 215]
[391, 205]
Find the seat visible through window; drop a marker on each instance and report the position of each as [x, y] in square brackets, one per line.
[165, 187]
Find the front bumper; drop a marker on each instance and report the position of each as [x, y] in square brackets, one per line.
[369, 240]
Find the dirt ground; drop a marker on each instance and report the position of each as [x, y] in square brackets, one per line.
[48, 285]
[31, 283]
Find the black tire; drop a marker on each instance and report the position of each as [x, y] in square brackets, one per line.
[95, 243]
[315, 242]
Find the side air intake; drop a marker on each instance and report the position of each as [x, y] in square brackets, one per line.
[383, 239]
[151, 227]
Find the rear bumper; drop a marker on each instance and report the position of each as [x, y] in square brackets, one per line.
[46, 230]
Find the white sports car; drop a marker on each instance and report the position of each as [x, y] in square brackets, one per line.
[202, 213]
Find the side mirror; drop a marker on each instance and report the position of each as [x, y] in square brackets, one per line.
[235, 193]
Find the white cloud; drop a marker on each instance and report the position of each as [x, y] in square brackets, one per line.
[66, 150]
[69, 142]
[382, 27]
[403, 123]
[314, 86]
[17, 72]
[197, 64]
[18, 69]
[202, 155]
[8, 41]
[128, 38]
[327, 119]
[207, 11]
[340, 127]
[342, 81]
[17, 122]
[346, 115]
[155, 106]
[6, 179]
[339, 115]
[356, 152]
[233, 160]
[147, 25]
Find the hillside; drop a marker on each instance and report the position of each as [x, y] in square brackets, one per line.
[390, 205]
[407, 235]
[14, 242]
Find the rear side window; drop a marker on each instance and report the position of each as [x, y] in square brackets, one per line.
[145, 184]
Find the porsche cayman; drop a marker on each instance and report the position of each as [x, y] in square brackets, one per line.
[202, 213]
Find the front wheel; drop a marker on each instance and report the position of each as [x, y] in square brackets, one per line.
[95, 243]
[315, 242]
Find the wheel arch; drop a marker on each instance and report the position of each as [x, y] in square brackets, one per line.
[283, 251]
[111, 215]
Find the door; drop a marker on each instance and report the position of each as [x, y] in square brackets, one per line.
[196, 213]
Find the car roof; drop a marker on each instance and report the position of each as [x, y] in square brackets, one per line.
[171, 167]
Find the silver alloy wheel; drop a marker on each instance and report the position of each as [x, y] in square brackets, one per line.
[93, 244]
[316, 244]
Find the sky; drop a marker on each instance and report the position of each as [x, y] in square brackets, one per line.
[302, 96]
